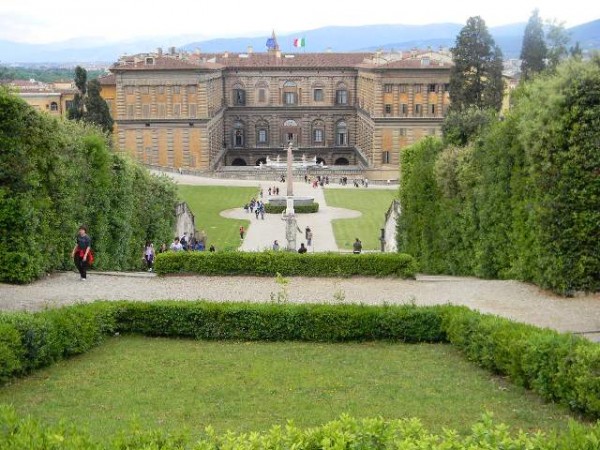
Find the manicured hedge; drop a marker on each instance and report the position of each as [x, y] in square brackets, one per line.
[287, 264]
[56, 175]
[303, 209]
[522, 199]
[345, 433]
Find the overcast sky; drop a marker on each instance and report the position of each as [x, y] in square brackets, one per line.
[45, 21]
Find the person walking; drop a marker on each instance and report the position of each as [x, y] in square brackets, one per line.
[357, 246]
[149, 255]
[242, 232]
[309, 236]
[81, 252]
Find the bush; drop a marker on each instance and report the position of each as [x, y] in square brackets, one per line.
[30, 341]
[286, 264]
[56, 175]
[303, 209]
[274, 322]
[345, 433]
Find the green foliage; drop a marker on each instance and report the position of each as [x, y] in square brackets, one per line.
[56, 175]
[533, 51]
[559, 367]
[344, 433]
[460, 127]
[522, 199]
[286, 263]
[476, 77]
[96, 108]
[302, 209]
[557, 40]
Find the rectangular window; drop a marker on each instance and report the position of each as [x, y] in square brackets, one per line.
[191, 89]
[175, 89]
[341, 97]
[262, 136]
[417, 109]
[385, 157]
[431, 88]
[417, 88]
[388, 109]
[402, 131]
[402, 88]
[177, 109]
[387, 88]
[161, 110]
[130, 111]
[129, 90]
[289, 98]
[262, 96]
[193, 110]
[432, 109]
[145, 111]
[446, 87]
[318, 135]
[404, 109]
[239, 97]
[318, 95]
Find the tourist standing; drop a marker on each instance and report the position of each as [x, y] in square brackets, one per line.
[81, 252]
[302, 248]
[242, 232]
[357, 246]
[275, 245]
[309, 236]
[149, 255]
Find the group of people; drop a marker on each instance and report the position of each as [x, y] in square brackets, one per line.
[257, 207]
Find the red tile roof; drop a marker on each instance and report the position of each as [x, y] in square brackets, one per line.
[108, 80]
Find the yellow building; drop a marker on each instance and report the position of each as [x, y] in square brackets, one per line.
[55, 99]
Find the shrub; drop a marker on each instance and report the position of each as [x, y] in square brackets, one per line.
[286, 263]
[302, 209]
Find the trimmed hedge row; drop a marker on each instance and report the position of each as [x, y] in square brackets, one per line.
[287, 264]
[559, 367]
[302, 209]
[345, 433]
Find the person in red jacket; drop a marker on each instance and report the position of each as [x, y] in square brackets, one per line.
[81, 252]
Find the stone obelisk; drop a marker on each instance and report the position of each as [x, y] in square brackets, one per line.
[290, 216]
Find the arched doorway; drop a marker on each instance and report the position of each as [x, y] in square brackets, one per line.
[238, 162]
[321, 161]
[261, 160]
[290, 133]
[342, 162]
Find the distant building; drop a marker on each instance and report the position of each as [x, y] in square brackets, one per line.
[53, 98]
[203, 111]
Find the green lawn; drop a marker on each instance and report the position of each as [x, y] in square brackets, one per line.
[372, 203]
[175, 384]
[206, 202]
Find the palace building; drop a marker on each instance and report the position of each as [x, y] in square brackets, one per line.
[205, 112]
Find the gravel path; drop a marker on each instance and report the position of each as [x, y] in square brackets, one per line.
[512, 299]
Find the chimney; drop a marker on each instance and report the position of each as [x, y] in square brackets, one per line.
[250, 49]
[159, 51]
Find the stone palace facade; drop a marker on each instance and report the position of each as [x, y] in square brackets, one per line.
[204, 111]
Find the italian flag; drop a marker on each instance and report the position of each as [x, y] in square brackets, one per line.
[300, 42]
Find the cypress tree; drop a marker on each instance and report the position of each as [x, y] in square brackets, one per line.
[476, 78]
[96, 107]
[534, 51]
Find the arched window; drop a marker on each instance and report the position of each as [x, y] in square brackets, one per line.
[341, 94]
[261, 160]
[342, 162]
[262, 133]
[341, 133]
[290, 93]
[238, 134]
[53, 106]
[318, 132]
[239, 95]
[321, 161]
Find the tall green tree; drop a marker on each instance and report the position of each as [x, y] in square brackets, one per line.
[77, 109]
[534, 51]
[476, 77]
[96, 108]
[557, 41]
